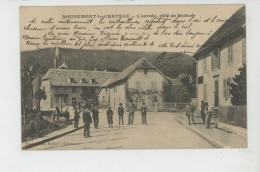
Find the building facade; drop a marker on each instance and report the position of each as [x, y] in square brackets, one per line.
[219, 60]
[139, 82]
[65, 87]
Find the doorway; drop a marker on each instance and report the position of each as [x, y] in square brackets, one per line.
[216, 92]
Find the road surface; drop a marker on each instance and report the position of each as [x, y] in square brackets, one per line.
[161, 132]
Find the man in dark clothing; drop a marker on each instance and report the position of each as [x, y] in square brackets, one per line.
[87, 121]
[76, 117]
[95, 116]
[121, 113]
[110, 117]
[132, 109]
[202, 107]
[144, 112]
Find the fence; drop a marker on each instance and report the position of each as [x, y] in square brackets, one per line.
[171, 106]
[234, 115]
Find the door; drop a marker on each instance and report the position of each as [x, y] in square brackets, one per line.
[216, 92]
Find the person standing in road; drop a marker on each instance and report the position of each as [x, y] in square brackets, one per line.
[187, 111]
[121, 114]
[76, 117]
[202, 107]
[110, 117]
[144, 112]
[192, 110]
[87, 121]
[95, 116]
[132, 109]
[207, 114]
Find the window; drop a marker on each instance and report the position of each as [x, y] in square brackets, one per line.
[64, 90]
[57, 99]
[205, 91]
[72, 80]
[115, 89]
[225, 88]
[200, 80]
[215, 60]
[73, 89]
[103, 98]
[230, 54]
[65, 99]
[145, 71]
[83, 81]
[205, 64]
[106, 89]
[137, 85]
[93, 81]
[153, 85]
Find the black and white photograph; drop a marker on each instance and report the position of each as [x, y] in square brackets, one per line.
[133, 77]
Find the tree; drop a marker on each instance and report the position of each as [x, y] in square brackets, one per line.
[40, 95]
[238, 88]
[189, 89]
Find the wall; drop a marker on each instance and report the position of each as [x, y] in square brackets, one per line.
[104, 92]
[117, 95]
[226, 71]
[146, 80]
[234, 115]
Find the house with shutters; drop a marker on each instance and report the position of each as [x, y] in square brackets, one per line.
[219, 60]
[141, 81]
[65, 87]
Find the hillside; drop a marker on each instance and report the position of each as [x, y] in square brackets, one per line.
[108, 59]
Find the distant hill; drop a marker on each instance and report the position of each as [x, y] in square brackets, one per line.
[112, 60]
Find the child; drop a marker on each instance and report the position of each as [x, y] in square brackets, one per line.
[110, 117]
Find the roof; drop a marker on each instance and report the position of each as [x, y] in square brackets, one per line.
[234, 24]
[175, 81]
[142, 63]
[61, 77]
[139, 64]
[63, 66]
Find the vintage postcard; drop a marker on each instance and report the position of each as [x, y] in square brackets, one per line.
[133, 77]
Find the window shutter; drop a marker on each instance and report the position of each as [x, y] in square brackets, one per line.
[225, 88]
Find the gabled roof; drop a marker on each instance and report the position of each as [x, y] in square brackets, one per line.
[142, 63]
[61, 77]
[63, 66]
[139, 64]
[235, 24]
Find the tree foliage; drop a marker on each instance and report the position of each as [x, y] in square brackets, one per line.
[188, 89]
[40, 95]
[238, 88]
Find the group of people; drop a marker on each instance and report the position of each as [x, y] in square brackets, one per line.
[205, 113]
[93, 109]
[121, 111]
[86, 111]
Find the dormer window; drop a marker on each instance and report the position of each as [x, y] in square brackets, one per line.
[93, 81]
[83, 81]
[72, 80]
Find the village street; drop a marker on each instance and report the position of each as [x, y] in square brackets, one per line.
[162, 131]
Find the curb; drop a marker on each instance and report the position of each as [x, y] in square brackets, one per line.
[209, 139]
[234, 129]
[49, 139]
